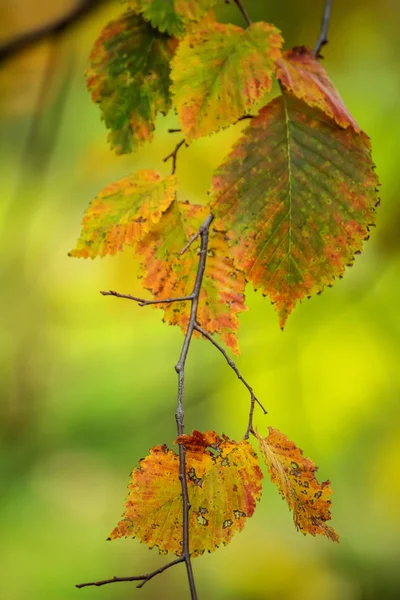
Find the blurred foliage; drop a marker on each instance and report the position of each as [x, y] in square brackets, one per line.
[87, 383]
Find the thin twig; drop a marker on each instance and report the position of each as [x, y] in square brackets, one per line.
[243, 11]
[174, 130]
[143, 302]
[190, 242]
[143, 578]
[50, 30]
[323, 36]
[253, 399]
[174, 155]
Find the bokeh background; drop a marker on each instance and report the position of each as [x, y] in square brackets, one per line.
[87, 383]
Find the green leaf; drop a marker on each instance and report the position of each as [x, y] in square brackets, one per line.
[129, 77]
[296, 198]
[123, 213]
[172, 16]
[220, 72]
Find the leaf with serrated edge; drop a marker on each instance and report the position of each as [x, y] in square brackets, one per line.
[220, 72]
[294, 476]
[124, 212]
[224, 483]
[129, 77]
[168, 275]
[173, 16]
[296, 198]
[303, 75]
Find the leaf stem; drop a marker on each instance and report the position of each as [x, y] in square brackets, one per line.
[323, 36]
[243, 11]
[253, 399]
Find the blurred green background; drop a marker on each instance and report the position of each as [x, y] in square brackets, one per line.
[87, 383]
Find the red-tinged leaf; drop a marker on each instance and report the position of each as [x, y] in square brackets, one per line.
[129, 77]
[294, 476]
[124, 212]
[172, 16]
[167, 274]
[296, 197]
[224, 483]
[220, 72]
[306, 78]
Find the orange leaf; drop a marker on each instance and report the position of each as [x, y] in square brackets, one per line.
[168, 275]
[307, 79]
[296, 198]
[124, 212]
[219, 73]
[294, 476]
[224, 482]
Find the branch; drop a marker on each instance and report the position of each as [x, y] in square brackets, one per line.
[180, 413]
[174, 156]
[143, 578]
[143, 302]
[50, 30]
[323, 36]
[253, 399]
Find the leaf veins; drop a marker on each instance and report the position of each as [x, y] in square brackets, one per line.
[220, 72]
[124, 212]
[294, 476]
[174, 16]
[167, 274]
[128, 76]
[296, 198]
[303, 75]
[224, 483]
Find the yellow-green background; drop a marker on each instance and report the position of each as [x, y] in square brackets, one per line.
[87, 383]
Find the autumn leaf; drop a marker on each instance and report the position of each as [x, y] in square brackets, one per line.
[168, 274]
[303, 75]
[172, 16]
[220, 72]
[129, 77]
[224, 482]
[294, 476]
[296, 198]
[124, 212]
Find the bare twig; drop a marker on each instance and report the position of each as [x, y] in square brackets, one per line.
[50, 30]
[323, 36]
[174, 130]
[243, 11]
[190, 242]
[174, 156]
[143, 302]
[143, 578]
[253, 399]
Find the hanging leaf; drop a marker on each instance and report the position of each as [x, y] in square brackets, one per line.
[296, 198]
[294, 476]
[128, 76]
[306, 78]
[172, 16]
[224, 482]
[220, 72]
[124, 212]
[167, 274]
